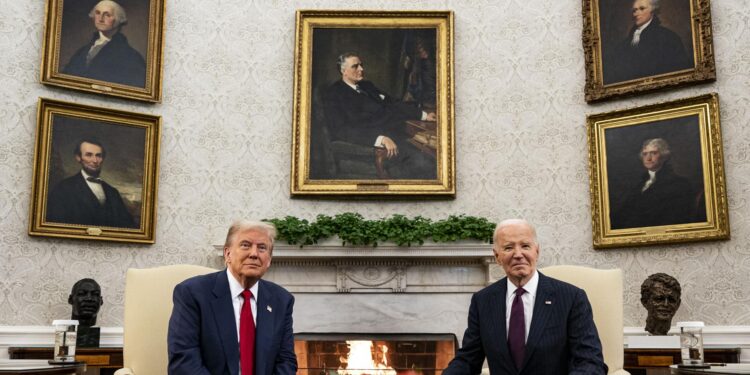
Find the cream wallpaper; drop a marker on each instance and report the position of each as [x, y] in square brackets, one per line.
[227, 108]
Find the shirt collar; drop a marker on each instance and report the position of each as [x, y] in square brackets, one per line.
[236, 288]
[103, 37]
[530, 286]
[645, 25]
[354, 87]
[85, 175]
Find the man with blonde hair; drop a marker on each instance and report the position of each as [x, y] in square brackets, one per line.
[108, 56]
[232, 321]
[528, 323]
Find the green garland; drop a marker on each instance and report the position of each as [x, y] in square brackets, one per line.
[353, 229]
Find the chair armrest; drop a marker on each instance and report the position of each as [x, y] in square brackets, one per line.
[124, 371]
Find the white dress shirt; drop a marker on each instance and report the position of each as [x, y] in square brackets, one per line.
[98, 45]
[638, 31]
[527, 299]
[650, 181]
[238, 300]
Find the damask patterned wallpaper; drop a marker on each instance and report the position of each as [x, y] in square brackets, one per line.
[227, 110]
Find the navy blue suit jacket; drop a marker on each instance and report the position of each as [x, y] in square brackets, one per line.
[361, 118]
[202, 336]
[562, 338]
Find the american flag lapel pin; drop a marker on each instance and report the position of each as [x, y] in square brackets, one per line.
[268, 307]
[547, 302]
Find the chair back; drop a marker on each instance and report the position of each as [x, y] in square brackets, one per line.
[604, 290]
[148, 306]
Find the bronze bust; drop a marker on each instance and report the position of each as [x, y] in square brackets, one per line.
[660, 295]
[86, 299]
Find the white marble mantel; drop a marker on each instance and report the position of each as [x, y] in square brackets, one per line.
[462, 267]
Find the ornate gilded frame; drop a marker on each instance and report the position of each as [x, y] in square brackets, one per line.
[691, 126]
[704, 69]
[150, 37]
[338, 21]
[131, 142]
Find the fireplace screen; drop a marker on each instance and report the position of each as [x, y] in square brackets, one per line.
[373, 354]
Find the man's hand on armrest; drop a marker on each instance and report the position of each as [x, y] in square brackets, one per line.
[390, 146]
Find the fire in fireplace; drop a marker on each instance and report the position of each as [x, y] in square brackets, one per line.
[373, 354]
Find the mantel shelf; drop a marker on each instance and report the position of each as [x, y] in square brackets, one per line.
[461, 250]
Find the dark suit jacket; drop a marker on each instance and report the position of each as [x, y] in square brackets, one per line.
[659, 51]
[116, 62]
[361, 118]
[202, 336]
[669, 200]
[562, 338]
[73, 202]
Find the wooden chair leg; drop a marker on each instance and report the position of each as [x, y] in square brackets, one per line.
[380, 155]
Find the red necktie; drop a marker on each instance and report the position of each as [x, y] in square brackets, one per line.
[517, 330]
[247, 336]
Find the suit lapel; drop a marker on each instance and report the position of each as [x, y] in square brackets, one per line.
[498, 308]
[90, 198]
[264, 327]
[225, 321]
[542, 313]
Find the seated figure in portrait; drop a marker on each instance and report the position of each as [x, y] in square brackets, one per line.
[360, 113]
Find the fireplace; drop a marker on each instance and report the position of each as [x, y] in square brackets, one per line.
[373, 354]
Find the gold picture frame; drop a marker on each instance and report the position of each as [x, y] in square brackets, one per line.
[657, 174]
[109, 56]
[95, 173]
[629, 52]
[409, 77]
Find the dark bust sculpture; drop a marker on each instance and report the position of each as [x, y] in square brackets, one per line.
[86, 298]
[660, 295]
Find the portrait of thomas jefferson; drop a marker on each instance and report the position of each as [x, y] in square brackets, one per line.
[655, 174]
[646, 38]
[97, 47]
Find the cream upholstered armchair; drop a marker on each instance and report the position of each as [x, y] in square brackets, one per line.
[148, 305]
[604, 289]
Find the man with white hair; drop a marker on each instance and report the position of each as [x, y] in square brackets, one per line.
[108, 56]
[528, 323]
[649, 48]
[660, 196]
[359, 112]
[231, 321]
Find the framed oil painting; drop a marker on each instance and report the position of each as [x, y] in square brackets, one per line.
[657, 174]
[634, 46]
[95, 173]
[105, 47]
[373, 104]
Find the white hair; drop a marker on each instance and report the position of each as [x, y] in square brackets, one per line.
[511, 222]
[660, 144]
[120, 17]
[245, 225]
